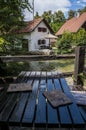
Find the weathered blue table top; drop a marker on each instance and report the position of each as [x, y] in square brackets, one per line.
[31, 109]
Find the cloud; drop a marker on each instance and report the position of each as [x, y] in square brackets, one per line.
[83, 0]
[78, 2]
[54, 5]
[81, 3]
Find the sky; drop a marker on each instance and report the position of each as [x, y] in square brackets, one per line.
[54, 5]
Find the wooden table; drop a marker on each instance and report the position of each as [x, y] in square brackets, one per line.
[31, 109]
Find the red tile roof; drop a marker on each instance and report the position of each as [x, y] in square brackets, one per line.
[73, 25]
[31, 25]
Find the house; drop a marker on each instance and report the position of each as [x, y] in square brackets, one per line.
[34, 33]
[73, 25]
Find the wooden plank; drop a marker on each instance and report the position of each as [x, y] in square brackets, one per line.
[27, 75]
[73, 108]
[52, 117]
[54, 73]
[43, 85]
[40, 119]
[5, 113]
[21, 76]
[3, 92]
[38, 73]
[3, 101]
[43, 74]
[29, 113]
[49, 74]
[80, 97]
[64, 115]
[33, 73]
[83, 112]
[16, 115]
[35, 57]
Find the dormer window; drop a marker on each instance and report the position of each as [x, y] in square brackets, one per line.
[42, 29]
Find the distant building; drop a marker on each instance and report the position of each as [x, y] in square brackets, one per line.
[73, 25]
[34, 34]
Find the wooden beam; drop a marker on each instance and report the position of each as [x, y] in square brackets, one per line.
[35, 57]
[79, 65]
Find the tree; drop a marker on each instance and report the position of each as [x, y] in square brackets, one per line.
[58, 17]
[80, 38]
[37, 15]
[11, 18]
[82, 10]
[55, 19]
[48, 16]
[11, 14]
[71, 14]
[64, 44]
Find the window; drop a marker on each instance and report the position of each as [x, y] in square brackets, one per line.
[39, 29]
[42, 29]
[43, 41]
[40, 42]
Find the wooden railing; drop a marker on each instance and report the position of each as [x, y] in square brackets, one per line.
[35, 57]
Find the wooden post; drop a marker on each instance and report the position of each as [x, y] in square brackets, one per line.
[79, 65]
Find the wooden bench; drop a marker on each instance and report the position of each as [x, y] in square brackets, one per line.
[31, 109]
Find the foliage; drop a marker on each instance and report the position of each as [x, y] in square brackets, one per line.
[81, 78]
[4, 45]
[82, 10]
[37, 15]
[11, 18]
[56, 26]
[80, 38]
[64, 44]
[55, 19]
[11, 14]
[68, 41]
[58, 17]
[71, 14]
[11, 45]
[48, 16]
